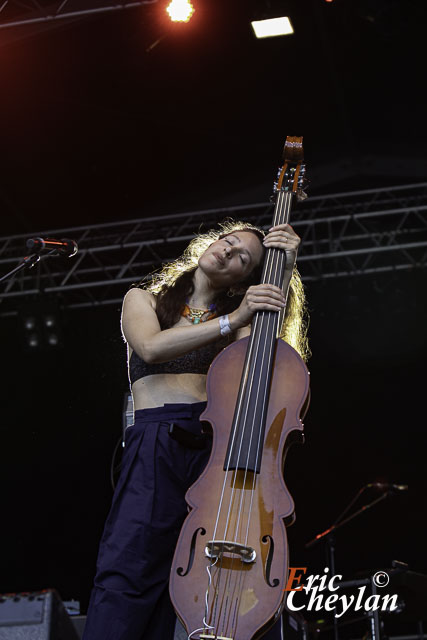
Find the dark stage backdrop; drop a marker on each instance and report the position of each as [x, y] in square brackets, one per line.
[62, 413]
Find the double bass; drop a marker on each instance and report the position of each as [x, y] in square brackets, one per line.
[231, 561]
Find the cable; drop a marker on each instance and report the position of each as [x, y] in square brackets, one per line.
[113, 469]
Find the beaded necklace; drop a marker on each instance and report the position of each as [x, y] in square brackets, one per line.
[195, 315]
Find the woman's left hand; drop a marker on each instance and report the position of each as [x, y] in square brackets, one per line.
[283, 237]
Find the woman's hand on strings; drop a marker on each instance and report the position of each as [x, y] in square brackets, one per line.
[283, 237]
[267, 297]
[260, 297]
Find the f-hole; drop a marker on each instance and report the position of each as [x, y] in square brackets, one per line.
[269, 560]
[180, 571]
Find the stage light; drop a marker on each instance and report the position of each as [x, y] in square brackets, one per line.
[180, 10]
[33, 341]
[52, 340]
[41, 325]
[272, 27]
[29, 323]
[49, 321]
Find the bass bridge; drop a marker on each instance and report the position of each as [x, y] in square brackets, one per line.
[218, 548]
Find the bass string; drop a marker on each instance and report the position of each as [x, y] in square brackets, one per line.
[278, 270]
[273, 267]
[268, 271]
[273, 271]
[247, 390]
[248, 365]
[255, 331]
[215, 602]
[236, 420]
[238, 410]
[223, 607]
[234, 432]
[245, 376]
[271, 261]
[238, 413]
[275, 263]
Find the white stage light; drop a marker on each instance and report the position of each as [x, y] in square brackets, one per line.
[272, 27]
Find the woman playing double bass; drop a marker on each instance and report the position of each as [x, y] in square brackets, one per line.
[174, 326]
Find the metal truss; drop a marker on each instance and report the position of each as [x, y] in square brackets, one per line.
[14, 13]
[343, 235]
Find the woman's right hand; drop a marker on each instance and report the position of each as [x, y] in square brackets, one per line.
[260, 297]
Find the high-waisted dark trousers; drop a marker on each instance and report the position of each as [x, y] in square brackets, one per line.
[130, 599]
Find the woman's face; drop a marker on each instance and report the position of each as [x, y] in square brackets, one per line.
[231, 259]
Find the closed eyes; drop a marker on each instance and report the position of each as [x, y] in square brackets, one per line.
[243, 259]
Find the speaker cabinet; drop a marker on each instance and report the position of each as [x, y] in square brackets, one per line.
[35, 616]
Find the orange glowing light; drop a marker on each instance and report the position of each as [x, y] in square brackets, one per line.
[180, 10]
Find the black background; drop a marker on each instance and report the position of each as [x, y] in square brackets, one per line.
[96, 129]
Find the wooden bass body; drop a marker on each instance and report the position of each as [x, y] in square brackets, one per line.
[231, 561]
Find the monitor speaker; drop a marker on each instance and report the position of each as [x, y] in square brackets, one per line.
[35, 616]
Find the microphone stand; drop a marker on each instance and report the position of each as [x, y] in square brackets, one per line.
[329, 538]
[339, 523]
[28, 263]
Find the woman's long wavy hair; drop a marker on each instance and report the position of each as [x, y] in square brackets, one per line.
[173, 284]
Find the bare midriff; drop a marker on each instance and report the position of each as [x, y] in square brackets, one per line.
[168, 388]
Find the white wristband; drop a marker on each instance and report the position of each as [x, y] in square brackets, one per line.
[224, 325]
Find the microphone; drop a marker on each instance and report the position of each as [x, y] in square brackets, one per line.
[389, 486]
[65, 247]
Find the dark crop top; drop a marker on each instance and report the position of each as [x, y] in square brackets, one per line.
[197, 361]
